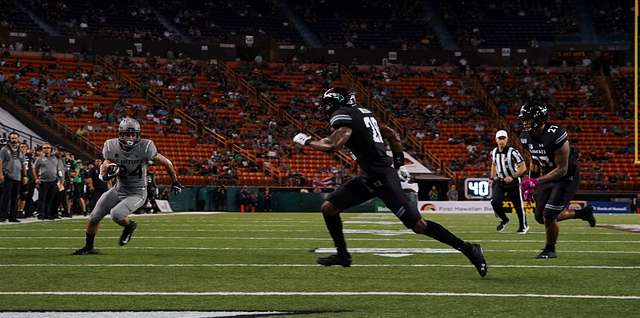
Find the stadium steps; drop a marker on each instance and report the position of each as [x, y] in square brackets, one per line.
[309, 163]
[269, 173]
[396, 123]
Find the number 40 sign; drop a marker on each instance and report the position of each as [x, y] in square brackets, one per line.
[477, 188]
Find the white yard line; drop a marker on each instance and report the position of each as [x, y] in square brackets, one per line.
[253, 238]
[324, 250]
[330, 294]
[316, 265]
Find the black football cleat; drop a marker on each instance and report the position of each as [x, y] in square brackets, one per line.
[474, 253]
[85, 251]
[335, 259]
[127, 232]
[502, 225]
[523, 230]
[587, 215]
[546, 254]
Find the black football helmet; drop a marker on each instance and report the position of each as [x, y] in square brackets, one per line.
[128, 133]
[337, 97]
[533, 116]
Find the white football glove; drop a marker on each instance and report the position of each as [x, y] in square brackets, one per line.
[404, 174]
[302, 139]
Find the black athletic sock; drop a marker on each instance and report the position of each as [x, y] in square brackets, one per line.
[334, 225]
[502, 215]
[89, 240]
[438, 232]
[550, 247]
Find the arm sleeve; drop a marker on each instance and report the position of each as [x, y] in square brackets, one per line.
[340, 118]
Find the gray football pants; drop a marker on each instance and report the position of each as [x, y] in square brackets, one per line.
[118, 204]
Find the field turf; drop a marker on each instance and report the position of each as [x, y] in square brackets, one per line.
[266, 262]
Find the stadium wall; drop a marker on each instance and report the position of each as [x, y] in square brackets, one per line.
[292, 200]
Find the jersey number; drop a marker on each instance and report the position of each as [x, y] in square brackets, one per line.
[135, 172]
[372, 124]
[552, 129]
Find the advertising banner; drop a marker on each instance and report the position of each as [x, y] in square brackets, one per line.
[454, 207]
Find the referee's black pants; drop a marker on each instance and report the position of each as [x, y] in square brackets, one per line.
[8, 204]
[514, 194]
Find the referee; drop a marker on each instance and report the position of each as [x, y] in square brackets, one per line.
[506, 169]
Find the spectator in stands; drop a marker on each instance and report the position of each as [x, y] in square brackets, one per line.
[434, 194]
[452, 194]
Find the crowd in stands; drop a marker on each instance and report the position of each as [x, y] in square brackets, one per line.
[369, 24]
[491, 23]
[613, 17]
[104, 19]
[220, 20]
[404, 25]
[433, 104]
[430, 106]
[577, 102]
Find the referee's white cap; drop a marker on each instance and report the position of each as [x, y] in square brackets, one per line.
[501, 133]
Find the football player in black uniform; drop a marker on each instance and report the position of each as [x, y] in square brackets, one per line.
[356, 128]
[557, 165]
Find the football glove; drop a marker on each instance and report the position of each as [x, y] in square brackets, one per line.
[112, 171]
[176, 187]
[528, 187]
[404, 174]
[302, 139]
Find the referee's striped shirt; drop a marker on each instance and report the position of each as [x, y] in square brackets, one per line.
[506, 161]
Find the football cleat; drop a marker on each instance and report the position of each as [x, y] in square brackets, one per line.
[546, 254]
[523, 230]
[474, 253]
[502, 225]
[85, 251]
[127, 232]
[587, 214]
[335, 259]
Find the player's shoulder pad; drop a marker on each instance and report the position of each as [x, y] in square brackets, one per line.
[109, 148]
[341, 117]
[149, 148]
[555, 136]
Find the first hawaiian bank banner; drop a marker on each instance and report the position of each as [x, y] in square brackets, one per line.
[485, 206]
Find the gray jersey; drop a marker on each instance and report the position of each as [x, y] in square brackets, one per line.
[47, 168]
[12, 163]
[133, 164]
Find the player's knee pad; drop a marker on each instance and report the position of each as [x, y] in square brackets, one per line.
[420, 227]
[409, 215]
[94, 219]
[118, 215]
[328, 208]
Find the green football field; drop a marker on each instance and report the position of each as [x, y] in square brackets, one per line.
[266, 262]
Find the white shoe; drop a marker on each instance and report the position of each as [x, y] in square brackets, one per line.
[523, 231]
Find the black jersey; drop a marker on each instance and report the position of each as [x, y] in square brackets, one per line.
[366, 141]
[542, 149]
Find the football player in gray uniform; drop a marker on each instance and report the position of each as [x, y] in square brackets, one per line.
[126, 158]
